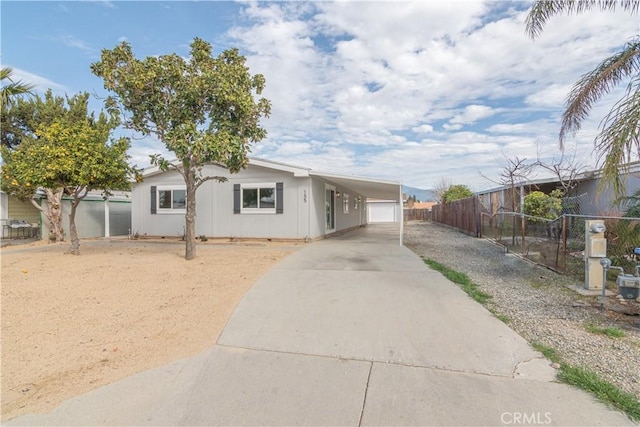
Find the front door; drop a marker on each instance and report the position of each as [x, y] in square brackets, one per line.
[330, 208]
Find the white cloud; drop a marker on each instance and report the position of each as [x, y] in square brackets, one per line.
[552, 96]
[400, 90]
[76, 43]
[362, 79]
[473, 113]
[41, 83]
[423, 129]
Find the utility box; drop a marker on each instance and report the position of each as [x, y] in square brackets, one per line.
[595, 249]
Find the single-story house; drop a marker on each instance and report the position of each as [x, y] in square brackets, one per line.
[265, 200]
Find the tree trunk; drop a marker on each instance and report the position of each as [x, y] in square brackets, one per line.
[53, 213]
[75, 241]
[190, 218]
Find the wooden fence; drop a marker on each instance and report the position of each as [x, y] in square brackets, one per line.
[417, 214]
[462, 214]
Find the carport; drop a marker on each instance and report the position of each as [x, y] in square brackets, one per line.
[390, 191]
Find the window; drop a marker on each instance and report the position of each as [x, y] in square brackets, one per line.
[258, 197]
[356, 203]
[172, 199]
[263, 198]
[345, 203]
[168, 199]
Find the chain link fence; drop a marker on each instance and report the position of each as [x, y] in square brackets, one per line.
[559, 244]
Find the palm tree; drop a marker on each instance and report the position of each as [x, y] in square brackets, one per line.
[12, 89]
[618, 137]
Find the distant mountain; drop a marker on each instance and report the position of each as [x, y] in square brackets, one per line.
[422, 195]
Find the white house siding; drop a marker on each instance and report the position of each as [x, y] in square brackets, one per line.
[354, 218]
[302, 216]
[215, 215]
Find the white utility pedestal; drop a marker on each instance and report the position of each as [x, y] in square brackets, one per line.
[595, 249]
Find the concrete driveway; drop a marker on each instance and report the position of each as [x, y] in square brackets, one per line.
[351, 330]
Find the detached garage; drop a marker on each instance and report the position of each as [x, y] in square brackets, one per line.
[382, 211]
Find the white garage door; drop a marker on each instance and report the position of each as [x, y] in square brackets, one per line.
[382, 212]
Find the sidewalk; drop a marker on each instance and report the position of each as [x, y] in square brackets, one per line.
[351, 330]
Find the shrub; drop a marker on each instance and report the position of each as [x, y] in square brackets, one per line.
[540, 205]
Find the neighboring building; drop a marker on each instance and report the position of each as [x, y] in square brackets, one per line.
[18, 218]
[265, 200]
[94, 216]
[585, 196]
[424, 205]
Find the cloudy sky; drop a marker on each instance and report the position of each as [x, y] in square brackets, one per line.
[422, 92]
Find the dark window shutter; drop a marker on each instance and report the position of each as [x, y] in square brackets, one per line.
[154, 203]
[279, 198]
[236, 198]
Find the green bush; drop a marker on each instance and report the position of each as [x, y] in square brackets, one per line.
[540, 205]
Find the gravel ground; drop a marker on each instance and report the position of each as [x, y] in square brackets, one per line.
[540, 306]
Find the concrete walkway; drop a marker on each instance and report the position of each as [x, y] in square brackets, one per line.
[351, 330]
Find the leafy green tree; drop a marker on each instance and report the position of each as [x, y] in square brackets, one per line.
[540, 205]
[69, 156]
[456, 192]
[618, 141]
[203, 109]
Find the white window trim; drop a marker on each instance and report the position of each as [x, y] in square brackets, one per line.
[258, 186]
[345, 203]
[170, 211]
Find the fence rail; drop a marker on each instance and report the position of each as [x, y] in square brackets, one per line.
[462, 214]
[417, 214]
[558, 244]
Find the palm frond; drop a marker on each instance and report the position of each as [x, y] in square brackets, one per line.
[543, 10]
[13, 89]
[596, 84]
[618, 142]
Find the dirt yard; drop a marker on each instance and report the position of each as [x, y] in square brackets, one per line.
[74, 323]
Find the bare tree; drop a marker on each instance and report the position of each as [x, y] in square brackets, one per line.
[440, 188]
[566, 168]
[515, 172]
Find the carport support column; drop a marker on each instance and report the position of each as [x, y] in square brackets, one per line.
[401, 209]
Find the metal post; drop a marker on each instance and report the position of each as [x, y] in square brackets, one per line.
[564, 243]
[401, 212]
[603, 298]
